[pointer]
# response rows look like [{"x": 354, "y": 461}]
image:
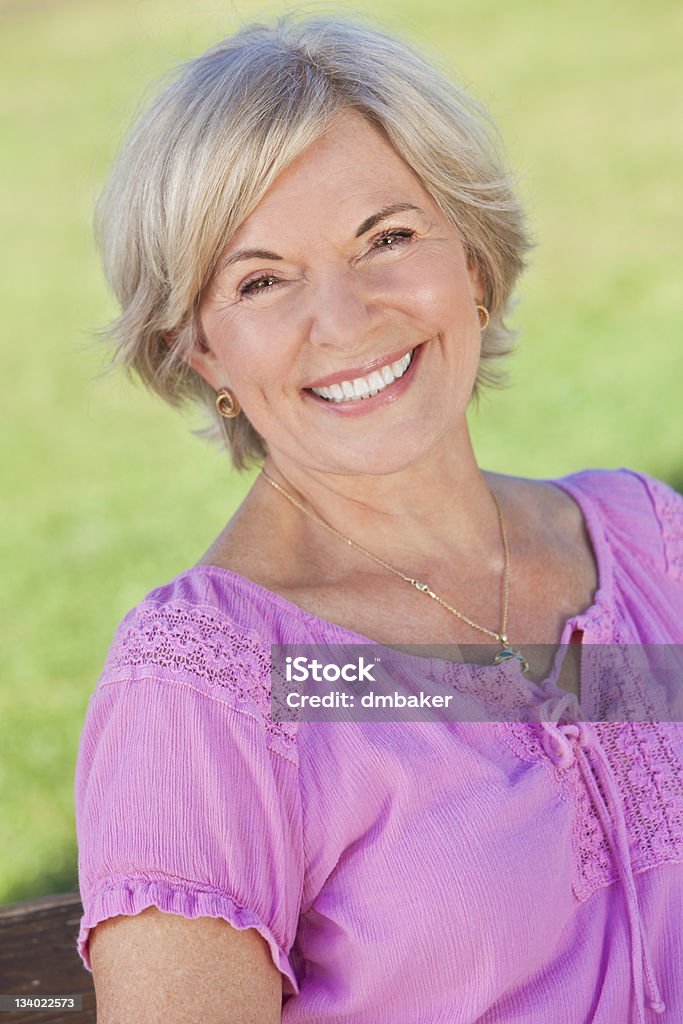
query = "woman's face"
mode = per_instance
[{"x": 344, "y": 272}]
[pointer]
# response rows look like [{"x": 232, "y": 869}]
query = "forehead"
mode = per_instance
[{"x": 345, "y": 175}]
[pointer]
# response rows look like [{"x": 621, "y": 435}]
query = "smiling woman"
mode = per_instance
[
  {"x": 184, "y": 207},
  {"x": 312, "y": 234}
]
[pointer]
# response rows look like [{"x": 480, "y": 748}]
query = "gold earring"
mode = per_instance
[
  {"x": 484, "y": 317},
  {"x": 226, "y": 404}
]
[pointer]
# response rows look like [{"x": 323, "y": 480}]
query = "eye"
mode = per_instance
[
  {"x": 257, "y": 284},
  {"x": 394, "y": 238}
]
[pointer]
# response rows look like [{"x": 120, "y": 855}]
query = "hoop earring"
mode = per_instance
[
  {"x": 226, "y": 404},
  {"x": 484, "y": 317}
]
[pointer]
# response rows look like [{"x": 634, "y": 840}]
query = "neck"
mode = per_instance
[{"x": 430, "y": 513}]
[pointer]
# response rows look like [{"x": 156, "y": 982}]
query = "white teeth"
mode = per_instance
[
  {"x": 401, "y": 365},
  {"x": 366, "y": 387}
]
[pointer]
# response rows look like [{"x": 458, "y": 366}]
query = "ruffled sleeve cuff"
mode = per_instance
[{"x": 131, "y": 896}]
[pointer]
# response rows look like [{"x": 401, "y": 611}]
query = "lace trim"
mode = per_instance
[
  {"x": 649, "y": 775},
  {"x": 624, "y": 681},
  {"x": 496, "y": 692},
  {"x": 600, "y": 624},
  {"x": 669, "y": 510},
  {"x": 199, "y": 646}
]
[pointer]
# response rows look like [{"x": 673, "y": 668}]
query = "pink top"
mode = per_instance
[{"x": 457, "y": 872}]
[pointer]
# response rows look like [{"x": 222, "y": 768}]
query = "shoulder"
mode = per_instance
[
  {"x": 633, "y": 524},
  {"x": 199, "y": 618},
  {"x": 643, "y": 516},
  {"x": 207, "y": 632},
  {"x": 191, "y": 626}
]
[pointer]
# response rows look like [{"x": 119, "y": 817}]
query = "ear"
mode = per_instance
[{"x": 201, "y": 358}]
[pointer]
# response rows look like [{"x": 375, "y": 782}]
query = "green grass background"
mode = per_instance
[{"x": 106, "y": 494}]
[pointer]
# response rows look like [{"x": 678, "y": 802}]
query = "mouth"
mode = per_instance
[{"x": 384, "y": 381}]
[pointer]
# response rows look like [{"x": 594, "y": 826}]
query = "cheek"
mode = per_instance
[
  {"x": 250, "y": 370},
  {"x": 258, "y": 369},
  {"x": 437, "y": 285},
  {"x": 446, "y": 309},
  {"x": 244, "y": 352}
]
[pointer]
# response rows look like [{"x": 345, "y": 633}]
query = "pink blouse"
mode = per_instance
[{"x": 421, "y": 872}]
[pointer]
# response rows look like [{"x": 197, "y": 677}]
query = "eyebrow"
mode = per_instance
[
  {"x": 367, "y": 225},
  {"x": 386, "y": 211}
]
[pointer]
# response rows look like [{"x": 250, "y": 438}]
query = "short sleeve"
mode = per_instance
[{"x": 187, "y": 793}]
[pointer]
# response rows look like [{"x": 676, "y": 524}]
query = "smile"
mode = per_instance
[{"x": 361, "y": 388}]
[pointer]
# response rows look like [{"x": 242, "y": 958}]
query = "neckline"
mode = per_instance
[{"x": 583, "y": 620}]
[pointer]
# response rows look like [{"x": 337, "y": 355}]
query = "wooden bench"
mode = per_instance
[{"x": 38, "y": 957}]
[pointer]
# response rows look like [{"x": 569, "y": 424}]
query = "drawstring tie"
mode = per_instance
[{"x": 561, "y": 743}]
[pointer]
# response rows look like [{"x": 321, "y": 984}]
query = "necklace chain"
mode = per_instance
[{"x": 423, "y": 587}]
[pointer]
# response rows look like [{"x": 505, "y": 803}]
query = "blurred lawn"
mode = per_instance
[{"x": 106, "y": 494}]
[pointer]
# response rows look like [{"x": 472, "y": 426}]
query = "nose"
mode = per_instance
[{"x": 342, "y": 313}]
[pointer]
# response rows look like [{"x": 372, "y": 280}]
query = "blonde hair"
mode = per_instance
[{"x": 206, "y": 150}]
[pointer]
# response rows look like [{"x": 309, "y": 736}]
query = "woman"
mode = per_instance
[{"x": 311, "y": 232}]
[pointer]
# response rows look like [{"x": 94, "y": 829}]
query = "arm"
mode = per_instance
[
  {"x": 154, "y": 966},
  {"x": 189, "y": 828}
]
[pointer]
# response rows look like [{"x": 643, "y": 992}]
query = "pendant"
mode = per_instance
[{"x": 507, "y": 653}]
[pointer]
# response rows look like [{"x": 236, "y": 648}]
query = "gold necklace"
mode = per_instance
[{"x": 507, "y": 652}]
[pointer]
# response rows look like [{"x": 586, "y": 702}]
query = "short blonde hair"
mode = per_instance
[{"x": 204, "y": 153}]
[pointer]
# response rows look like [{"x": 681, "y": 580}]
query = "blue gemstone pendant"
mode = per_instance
[{"x": 507, "y": 653}]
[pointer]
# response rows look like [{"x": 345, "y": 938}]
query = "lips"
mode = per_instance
[
  {"x": 359, "y": 371},
  {"x": 359, "y": 406},
  {"x": 365, "y": 387}
]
